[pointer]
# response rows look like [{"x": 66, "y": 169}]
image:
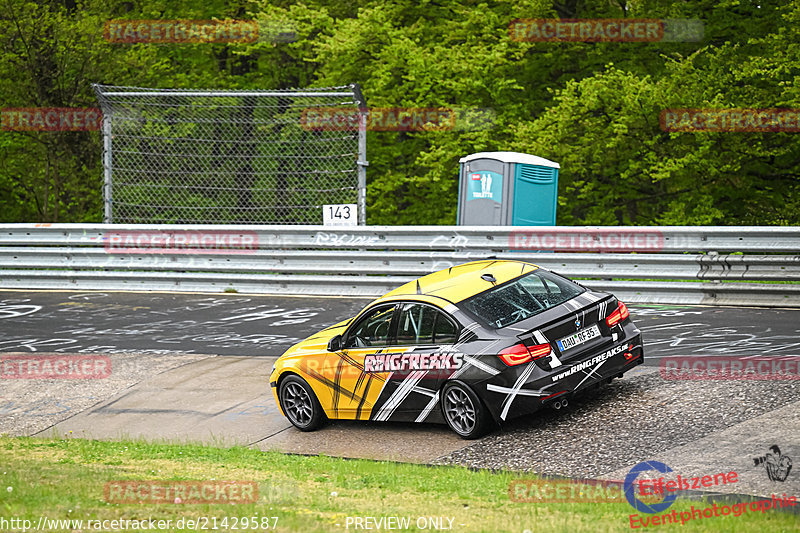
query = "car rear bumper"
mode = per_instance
[{"x": 522, "y": 390}]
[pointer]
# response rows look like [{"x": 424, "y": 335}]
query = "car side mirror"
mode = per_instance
[{"x": 335, "y": 344}]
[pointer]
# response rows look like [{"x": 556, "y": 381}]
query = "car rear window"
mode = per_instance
[{"x": 522, "y": 298}]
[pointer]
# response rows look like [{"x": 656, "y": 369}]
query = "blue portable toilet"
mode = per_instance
[{"x": 507, "y": 189}]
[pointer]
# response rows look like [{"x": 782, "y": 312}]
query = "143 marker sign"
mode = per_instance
[{"x": 339, "y": 215}]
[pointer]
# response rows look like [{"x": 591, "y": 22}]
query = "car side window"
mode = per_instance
[
  {"x": 416, "y": 324},
  {"x": 372, "y": 330},
  {"x": 422, "y": 324}
]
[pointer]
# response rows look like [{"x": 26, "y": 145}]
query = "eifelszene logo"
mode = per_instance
[{"x": 629, "y": 488}]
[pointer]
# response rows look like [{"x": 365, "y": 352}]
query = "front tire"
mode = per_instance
[
  {"x": 300, "y": 404},
  {"x": 464, "y": 411}
]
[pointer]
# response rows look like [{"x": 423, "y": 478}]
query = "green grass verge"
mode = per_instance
[{"x": 65, "y": 479}]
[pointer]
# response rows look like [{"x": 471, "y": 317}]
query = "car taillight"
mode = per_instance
[
  {"x": 519, "y": 353},
  {"x": 540, "y": 350},
  {"x": 620, "y": 314}
]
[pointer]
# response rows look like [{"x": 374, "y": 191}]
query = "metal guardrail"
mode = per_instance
[{"x": 711, "y": 265}]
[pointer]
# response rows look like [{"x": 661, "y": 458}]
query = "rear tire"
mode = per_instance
[
  {"x": 300, "y": 404},
  {"x": 464, "y": 411}
]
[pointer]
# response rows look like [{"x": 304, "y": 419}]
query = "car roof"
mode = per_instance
[{"x": 460, "y": 282}]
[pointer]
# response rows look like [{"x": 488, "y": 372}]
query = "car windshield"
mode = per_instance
[{"x": 522, "y": 298}]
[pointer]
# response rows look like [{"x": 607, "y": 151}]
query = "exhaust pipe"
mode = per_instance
[{"x": 558, "y": 404}]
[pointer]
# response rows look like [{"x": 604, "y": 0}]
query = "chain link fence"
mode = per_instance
[{"x": 239, "y": 157}]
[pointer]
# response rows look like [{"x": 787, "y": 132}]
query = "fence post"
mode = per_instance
[
  {"x": 362, "y": 162},
  {"x": 107, "y": 197}
]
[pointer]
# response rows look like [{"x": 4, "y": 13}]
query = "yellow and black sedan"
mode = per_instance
[{"x": 470, "y": 346}]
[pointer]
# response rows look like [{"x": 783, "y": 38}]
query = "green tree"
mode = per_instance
[
  {"x": 620, "y": 167},
  {"x": 593, "y": 107},
  {"x": 50, "y": 53}
]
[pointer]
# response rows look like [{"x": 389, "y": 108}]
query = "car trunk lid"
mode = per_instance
[{"x": 572, "y": 328}]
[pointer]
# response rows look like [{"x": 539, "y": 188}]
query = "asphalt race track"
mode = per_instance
[
  {"x": 264, "y": 326},
  {"x": 98, "y": 322},
  {"x": 193, "y": 367}
]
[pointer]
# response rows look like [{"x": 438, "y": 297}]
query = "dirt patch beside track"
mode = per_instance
[{"x": 31, "y": 405}]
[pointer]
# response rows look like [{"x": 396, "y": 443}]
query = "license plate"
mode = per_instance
[{"x": 578, "y": 338}]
